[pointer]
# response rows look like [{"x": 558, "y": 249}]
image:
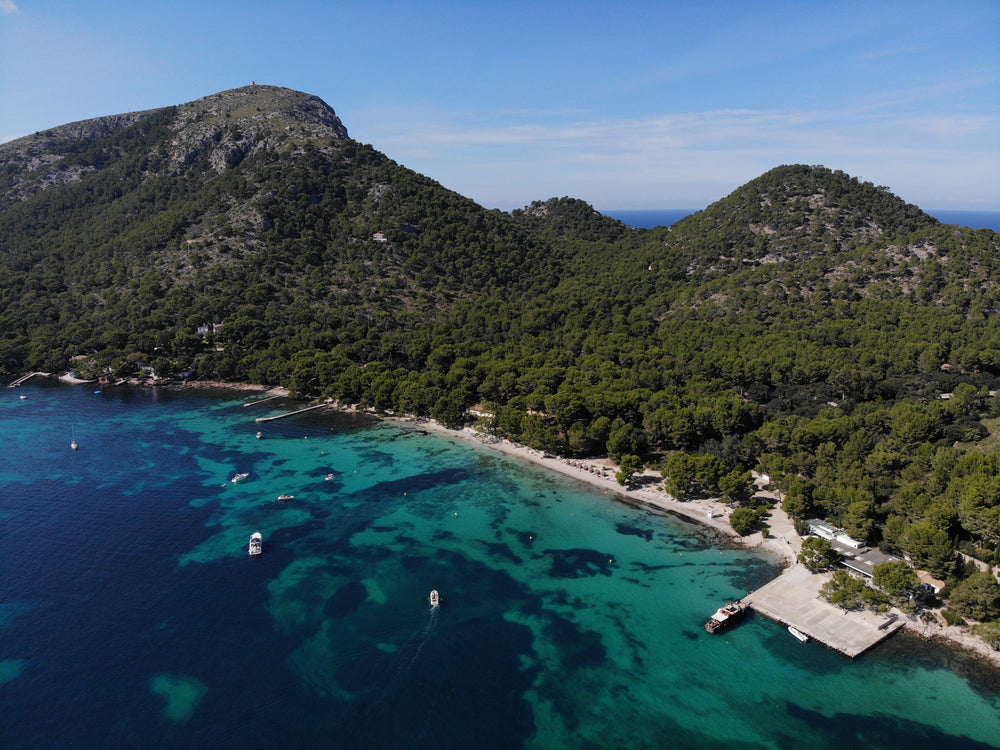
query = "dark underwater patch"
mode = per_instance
[
  {"x": 627, "y": 530},
  {"x": 501, "y": 551},
  {"x": 860, "y": 730},
  {"x": 346, "y": 599},
  {"x": 578, "y": 647},
  {"x": 578, "y": 563},
  {"x": 417, "y": 483}
]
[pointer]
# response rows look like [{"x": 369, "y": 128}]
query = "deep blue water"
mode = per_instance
[
  {"x": 647, "y": 219},
  {"x": 132, "y": 616},
  {"x": 974, "y": 219}
]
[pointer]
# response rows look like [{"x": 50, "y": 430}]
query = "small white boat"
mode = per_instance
[
  {"x": 260, "y": 435},
  {"x": 329, "y": 477},
  {"x": 24, "y": 398},
  {"x": 256, "y": 543},
  {"x": 798, "y": 634},
  {"x": 237, "y": 478},
  {"x": 435, "y": 598},
  {"x": 285, "y": 497}
]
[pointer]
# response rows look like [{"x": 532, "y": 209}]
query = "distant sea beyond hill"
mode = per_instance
[
  {"x": 974, "y": 219},
  {"x": 652, "y": 217},
  {"x": 665, "y": 217}
]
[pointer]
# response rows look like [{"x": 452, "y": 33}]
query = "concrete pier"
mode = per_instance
[
  {"x": 793, "y": 598},
  {"x": 263, "y": 400}
]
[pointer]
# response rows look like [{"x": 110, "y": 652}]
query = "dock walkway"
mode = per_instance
[
  {"x": 290, "y": 413},
  {"x": 263, "y": 400},
  {"x": 24, "y": 378},
  {"x": 793, "y": 598}
]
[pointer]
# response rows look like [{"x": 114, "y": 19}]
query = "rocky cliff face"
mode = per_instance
[
  {"x": 231, "y": 125},
  {"x": 38, "y": 162},
  {"x": 223, "y": 128}
]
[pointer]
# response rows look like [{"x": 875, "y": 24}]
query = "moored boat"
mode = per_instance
[
  {"x": 237, "y": 478},
  {"x": 260, "y": 435},
  {"x": 283, "y": 497},
  {"x": 726, "y": 616},
  {"x": 256, "y": 543},
  {"x": 798, "y": 633},
  {"x": 435, "y": 598}
]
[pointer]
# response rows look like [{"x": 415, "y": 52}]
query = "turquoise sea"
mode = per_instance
[{"x": 131, "y": 615}]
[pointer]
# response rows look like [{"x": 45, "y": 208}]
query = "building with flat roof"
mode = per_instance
[
  {"x": 864, "y": 561},
  {"x": 831, "y": 532},
  {"x": 855, "y": 556}
]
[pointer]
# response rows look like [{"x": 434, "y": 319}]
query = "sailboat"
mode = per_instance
[{"x": 73, "y": 444}]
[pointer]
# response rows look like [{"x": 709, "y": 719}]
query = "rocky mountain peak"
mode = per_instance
[{"x": 233, "y": 124}]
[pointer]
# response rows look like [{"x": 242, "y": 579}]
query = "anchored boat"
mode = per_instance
[
  {"x": 256, "y": 543},
  {"x": 798, "y": 634},
  {"x": 726, "y": 617}
]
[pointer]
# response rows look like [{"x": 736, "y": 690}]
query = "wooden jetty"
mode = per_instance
[
  {"x": 24, "y": 378},
  {"x": 793, "y": 598},
  {"x": 290, "y": 413}
]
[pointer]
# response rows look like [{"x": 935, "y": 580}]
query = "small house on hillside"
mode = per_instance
[{"x": 929, "y": 583}]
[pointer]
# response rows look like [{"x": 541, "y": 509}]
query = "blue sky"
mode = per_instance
[{"x": 624, "y": 104}]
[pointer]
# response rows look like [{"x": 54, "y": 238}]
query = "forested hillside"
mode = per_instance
[{"x": 808, "y": 325}]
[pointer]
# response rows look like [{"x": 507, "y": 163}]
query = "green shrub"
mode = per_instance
[{"x": 952, "y": 617}]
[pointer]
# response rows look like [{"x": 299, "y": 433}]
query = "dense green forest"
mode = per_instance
[{"x": 809, "y": 325}]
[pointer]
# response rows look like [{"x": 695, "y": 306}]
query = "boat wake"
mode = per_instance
[
  {"x": 406, "y": 691},
  {"x": 396, "y": 686},
  {"x": 422, "y": 637}
]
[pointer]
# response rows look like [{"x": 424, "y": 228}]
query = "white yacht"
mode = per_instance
[
  {"x": 256, "y": 543},
  {"x": 237, "y": 478},
  {"x": 435, "y": 598}
]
